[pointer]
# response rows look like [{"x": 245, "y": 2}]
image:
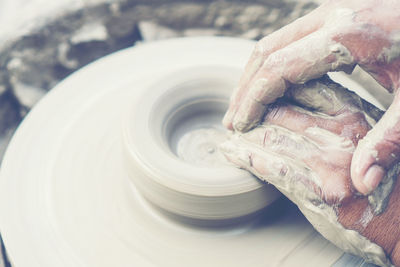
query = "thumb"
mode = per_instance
[{"x": 377, "y": 151}]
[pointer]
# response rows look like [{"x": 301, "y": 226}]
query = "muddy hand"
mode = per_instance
[
  {"x": 304, "y": 146},
  {"x": 336, "y": 36}
]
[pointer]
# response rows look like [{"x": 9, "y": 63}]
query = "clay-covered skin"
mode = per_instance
[
  {"x": 336, "y": 36},
  {"x": 304, "y": 146}
]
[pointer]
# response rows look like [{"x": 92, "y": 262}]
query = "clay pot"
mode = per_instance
[{"x": 172, "y": 136}]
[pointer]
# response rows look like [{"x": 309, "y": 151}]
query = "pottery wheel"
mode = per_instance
[{"x": 66, "y": 199}]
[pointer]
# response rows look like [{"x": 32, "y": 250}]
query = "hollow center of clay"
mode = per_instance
[{"x": 195, "y": 132}]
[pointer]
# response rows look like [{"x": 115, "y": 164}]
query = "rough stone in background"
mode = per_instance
[
  {"x": 151, "y": 31},
  {"x": 252, "y": 34},
  {"x": 9, "y": 114},
  {"x": 90, "y": 32},
  {"x": 43, "y": 57},
  {"x": 27, "y": 95},
  {"x": 201, "y": 32}
]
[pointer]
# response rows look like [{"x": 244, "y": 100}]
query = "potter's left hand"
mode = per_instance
[
  {"x": 304, "y": 147},
  {"x": 336, "y": 36}
]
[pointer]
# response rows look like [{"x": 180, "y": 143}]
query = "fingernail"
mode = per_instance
[
  {"x": 248, "y": 116},
  {"x": 227, "y": 120},
  {"x": 373, "y": 177},
  {"x": 244, "y": 126},
  {"x": 241, "y": 126}
]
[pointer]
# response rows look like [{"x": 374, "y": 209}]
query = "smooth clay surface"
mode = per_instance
[{"x": 72, "y": 201}]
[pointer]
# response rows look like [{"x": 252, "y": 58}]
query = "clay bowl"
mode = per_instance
[{"x": 172, "y": 136}]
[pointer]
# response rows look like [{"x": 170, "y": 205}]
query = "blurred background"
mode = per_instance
[{"x": 43, "y": 41}]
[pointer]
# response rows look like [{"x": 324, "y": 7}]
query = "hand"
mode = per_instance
[
  {"x": 304, "y": 147},
  {"x": 336, "y": 36}
]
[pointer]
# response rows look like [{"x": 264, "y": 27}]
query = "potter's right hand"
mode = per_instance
[{"x": 336, "y": 36}]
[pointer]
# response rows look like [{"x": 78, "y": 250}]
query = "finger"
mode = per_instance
[
  {"x": 303, "y": 60},
  {"x": 304, "y": 146},
  {"x": 326, "y": 96},
  {"x": 269, "y": 44},
  {"x": 277, "y": 169},
  {"x": 304, "y": 136},
  {"x": 281, "y": 38},
  {"x": 348, "y": 126},
  {"x": 377, "y": 151},
  {"x": 330, "y": 98},
  {"x": 322, "y": 95},
  {"x": 281, "y": 141},
  {"x": 299, "y": 120},
  {"x": 256, "y": 150}
]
